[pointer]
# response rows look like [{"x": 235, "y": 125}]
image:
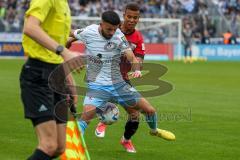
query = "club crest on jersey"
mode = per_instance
[
  {"x": 110, "y": 46},
  {"x": 80, "y": 30}
]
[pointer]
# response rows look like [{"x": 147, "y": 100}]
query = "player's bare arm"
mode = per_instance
[
  {"x": 140, "y": 61},
  {"x": 70, "y": 41},
  {"x": 135, "y": 64}
]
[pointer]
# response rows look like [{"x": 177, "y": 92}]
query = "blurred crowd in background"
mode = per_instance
[
  {"x": 201, "y": 18},
  {"x": 12, "y": 15}
]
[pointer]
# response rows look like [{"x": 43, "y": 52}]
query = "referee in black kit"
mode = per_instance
[{"x": 45, "y": 33}]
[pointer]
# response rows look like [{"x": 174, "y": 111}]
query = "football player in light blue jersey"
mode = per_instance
[
  {"x": 103, "y": 53},
  {"x": 105, "y": 44}
]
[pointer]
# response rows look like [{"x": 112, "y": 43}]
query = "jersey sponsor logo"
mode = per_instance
[
  {"x": 99, "y": 55},
  {"x": 109, "y": 46},
  {"x": 107, "y": 61},
  {"x": 80, "y": 30},
  {"x": 95, "y": 60}
]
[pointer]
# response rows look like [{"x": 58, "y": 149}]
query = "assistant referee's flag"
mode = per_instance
[{"x": 75, "y": 144}]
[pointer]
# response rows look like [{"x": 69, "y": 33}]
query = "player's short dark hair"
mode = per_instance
[
  {"x": 111, "y": 17},
  {"x": 132, "y": 7}
]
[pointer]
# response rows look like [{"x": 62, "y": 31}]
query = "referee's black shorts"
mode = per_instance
[{"x": 40, "y": 102}]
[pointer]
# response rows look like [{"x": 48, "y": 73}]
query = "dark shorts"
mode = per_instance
[{"x": 41, "y": 104}]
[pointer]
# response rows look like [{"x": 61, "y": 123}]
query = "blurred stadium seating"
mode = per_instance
[
  {"x": 206, "y": 18},
  {"x": 216, "y": 16}
]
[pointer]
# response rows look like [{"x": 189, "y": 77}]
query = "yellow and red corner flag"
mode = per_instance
[{"x": 75, "y": 144}]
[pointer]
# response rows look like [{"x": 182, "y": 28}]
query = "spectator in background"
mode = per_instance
[
  {"x": 94, "y": 8},
  {"x": 11, "y": 11},
  {"x": 211, "y": 29},
  {"x": 222, "y": 6},
  {"x": 2, "y": 9},
  {"x": 25, "y": 5},
  {"x": 173, "y": 8},
  {"x": 188, "y": 6},
  {"x": 229, "y": 38},
  {"x": 233, "y": 40},
  {"x": 2, "y": 14},
  {"x": 205, "y": 38},
  {"x": 187, "y": 42},
  {"x": 203, "y": 13},
  {"x": 226, "y": 37},
  {"x": 162, "y": 7}
]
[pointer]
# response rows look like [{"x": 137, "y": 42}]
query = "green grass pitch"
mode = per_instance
[{"x": 203, "y": 111}]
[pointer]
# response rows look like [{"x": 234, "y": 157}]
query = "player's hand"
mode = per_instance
[
  {"x": 136, "y": 74},
  {"x": 70, "y": 41}
]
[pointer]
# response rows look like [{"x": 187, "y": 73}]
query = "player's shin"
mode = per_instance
[
  {"x": 130, "y": 128},
  {"x": 88, "y": 114}
]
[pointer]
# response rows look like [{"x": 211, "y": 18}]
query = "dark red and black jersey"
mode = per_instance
[{"x": 135, "y": 40}]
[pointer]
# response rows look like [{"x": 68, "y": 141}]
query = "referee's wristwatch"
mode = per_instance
[{"x": 59, "y": 49}]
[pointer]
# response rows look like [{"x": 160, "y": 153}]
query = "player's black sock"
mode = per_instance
[
  {"x": 130, "y": 129},
  {"x": 39, "y": 155},
  {"x": 54, "y": 157}
]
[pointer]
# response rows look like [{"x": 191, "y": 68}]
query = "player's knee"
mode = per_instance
[
  {"x": 150, "y": 111},
  {"x": 133, "y": 115}
]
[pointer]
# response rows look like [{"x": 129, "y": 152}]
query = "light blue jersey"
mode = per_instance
[
  {"x": 103, "y": 55},
  {"x": 105, "y": 82}
]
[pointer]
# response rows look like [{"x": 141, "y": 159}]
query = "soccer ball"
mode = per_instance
[{"x": 109, "y": 114}]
